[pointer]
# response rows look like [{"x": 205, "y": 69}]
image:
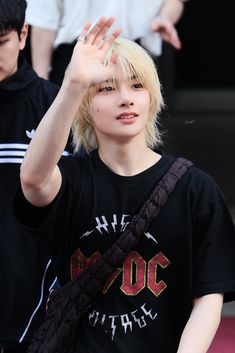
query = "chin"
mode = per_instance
[{"x": 128, "y": 137}]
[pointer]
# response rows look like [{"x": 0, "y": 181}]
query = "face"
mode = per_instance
[
  {"x": 10, "y": 46},
  {"x": 120, "y": 110}
]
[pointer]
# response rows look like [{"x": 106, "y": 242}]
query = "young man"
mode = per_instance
[
  {"x": 26, "y": 270},
  {"x": 168, "y": 295}
]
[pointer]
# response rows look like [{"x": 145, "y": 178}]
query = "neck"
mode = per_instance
[{"x": 128, "y": 159}]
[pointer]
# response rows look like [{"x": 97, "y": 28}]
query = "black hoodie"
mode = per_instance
[{"x": 26, "y": 272}]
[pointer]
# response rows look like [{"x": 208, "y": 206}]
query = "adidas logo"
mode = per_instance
[{"x": 30, "y": 134}]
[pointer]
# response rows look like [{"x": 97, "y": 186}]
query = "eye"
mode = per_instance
[
  {"x": 137, "y": 85},
  {"x": 2, "y": 42},
  {"x": 106, "y": 89}
]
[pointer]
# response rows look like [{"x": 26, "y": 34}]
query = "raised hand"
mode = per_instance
[{"x": 87, "y": 62}]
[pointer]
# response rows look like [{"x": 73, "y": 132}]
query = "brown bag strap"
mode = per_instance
[
  {"x": 68, "y": 303},
  {"x": 139, "y": 224}
]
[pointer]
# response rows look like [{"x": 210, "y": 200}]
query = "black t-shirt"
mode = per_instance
[{"x": 187, "y": 252}]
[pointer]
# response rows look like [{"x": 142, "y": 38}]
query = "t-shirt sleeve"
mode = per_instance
[
  {"x": 50, "y": 223},
  {"x": 214, "y": 247}
]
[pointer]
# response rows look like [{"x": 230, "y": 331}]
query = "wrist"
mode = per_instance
[
  {"x": 74, "y": 87},
  {"x": 162, "y": 17}
]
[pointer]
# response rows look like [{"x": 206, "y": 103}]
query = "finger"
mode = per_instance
[
  {"x": 85, "y": 30},
  {"x": 106, "y": 43},
  {"x": 176, "y": 44},
  {"x": 97, "y": 34},
  {"x": 174, "y": 39},
  {"x": 114, "y": 57},
  {"x": 95, "y": 29},
  {"x": 103, "y": 31}
]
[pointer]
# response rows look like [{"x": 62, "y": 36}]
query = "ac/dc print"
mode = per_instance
[{"x": 135, "y": 275}]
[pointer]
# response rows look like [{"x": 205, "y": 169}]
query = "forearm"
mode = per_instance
[
  {"x": 39, "y": 166},
  {"x": 202, "y": 324},
  {"x": 40, "y": 176},
  {"x": 172, "y": 10},
  {"x": 41, "y": 50}
]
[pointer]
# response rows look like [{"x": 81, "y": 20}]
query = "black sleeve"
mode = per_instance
[
  {"x": 214, "y": 249},
  {"x": 27, "y": 214},
  {"x": 50, "y": 224}
]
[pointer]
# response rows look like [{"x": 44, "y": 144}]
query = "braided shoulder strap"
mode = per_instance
[{"x": 68, "y": 303}]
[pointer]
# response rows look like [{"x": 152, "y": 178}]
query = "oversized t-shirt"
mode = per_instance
[{"x": 188, "y": 251}]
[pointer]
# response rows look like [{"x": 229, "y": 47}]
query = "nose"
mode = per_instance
[{"x": 125, "y": 96}]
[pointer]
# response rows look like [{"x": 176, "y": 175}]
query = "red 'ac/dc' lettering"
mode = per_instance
[
  {"x": 136, "y": 272},
  {"x": 133, "y": 278},
  {"x": 80, "y": 262}
]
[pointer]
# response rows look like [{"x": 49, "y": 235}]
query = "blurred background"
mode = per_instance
[
  {"x": 199, "y": 123},
  {"x": 199, "y": 84}
]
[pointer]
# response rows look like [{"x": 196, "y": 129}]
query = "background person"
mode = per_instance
[
  {"x": 26, "y": 270},
  {"x": 57, "y": 23}
]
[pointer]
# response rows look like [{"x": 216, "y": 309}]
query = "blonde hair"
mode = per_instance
[{"x": 134, "y": 61}]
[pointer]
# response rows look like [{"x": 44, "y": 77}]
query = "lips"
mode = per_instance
[{"x": 129, "y": 115}]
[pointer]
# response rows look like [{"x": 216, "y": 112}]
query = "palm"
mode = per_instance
[{"x": 87, "y": 63}]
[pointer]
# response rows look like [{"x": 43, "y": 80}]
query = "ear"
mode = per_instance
[{"x": 23, "y": 36}]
